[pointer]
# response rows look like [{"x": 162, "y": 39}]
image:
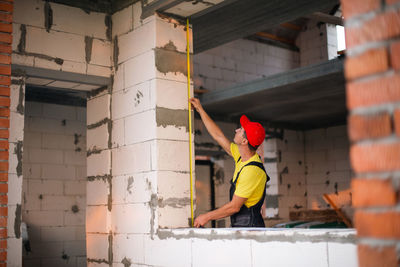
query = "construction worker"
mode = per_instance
[{"x": 249, "y": 180}]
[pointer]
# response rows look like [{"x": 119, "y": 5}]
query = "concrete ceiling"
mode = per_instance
[{"x": 304, "y": 98}]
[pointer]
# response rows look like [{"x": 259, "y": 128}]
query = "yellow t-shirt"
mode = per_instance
[{"x": 251, "y": 181}]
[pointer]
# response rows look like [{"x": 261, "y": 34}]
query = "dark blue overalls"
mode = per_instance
[{"x": 248, "y": 217}]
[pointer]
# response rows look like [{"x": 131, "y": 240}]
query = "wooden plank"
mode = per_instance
[{"x": 327, "y": 215}]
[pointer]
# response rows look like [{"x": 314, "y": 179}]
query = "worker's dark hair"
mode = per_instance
[{"x": 252, "y": 148}]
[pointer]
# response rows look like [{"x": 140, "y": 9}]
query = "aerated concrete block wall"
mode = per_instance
[
  {"x": 327, "y": 167},
  {"x": 58, "y": 37},
  {"x": 54, "y": 189},
  {"x": 15, "y": 174},
  {"x": 317, "y": 43},
  {"x": 240, "y": 61}
]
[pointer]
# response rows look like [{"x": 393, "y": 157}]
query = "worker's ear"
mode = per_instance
[{"x": 245, "y": 141}]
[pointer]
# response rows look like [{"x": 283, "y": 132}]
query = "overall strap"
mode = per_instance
[{"x": 251, "y": 163}]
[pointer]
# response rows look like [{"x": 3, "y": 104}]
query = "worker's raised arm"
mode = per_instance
[{"x": 211, "y": 126}]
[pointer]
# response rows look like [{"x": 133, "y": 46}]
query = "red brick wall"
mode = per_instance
[
  {"x": 6, "y": 8},
  {"x": 372, "y": 70}
]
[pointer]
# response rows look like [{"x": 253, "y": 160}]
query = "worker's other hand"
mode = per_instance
[
  {"x": 201, "y": 220},
  {"x": 195, "y": 103}
]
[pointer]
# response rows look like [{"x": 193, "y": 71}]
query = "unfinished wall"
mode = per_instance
[
  {"x": 317, "y": 42},
  {"x": 240, "y": 61},
  {"x": 54, "y": 189},
  {"x": 54, "y": 36},
  {"x": 327, "y": 167}
]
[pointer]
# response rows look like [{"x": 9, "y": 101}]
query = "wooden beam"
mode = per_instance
[
  {"x": 338, "y": 211},
  {"x": 291, "y": 26},
  {"x": 275, "y": 37}
]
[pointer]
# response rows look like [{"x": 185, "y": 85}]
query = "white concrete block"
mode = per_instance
[
  {"x": 174, "y": 217},
  {"x": 101, "y": 53},
  {"x": 301, "y": 254},
  {"x": 131, "y": 218},
  {"x": 97, "y": 246},
  {"x": 131, "y": 159},
  {"x": 45, "y": 187},
  {"x": 57, "y": 203},
  {"x": 11, "y": 220},
  {"x": 118, "y": 79},
  {"x": 99, "y": 164},
  {"x": 29, "y": 12},
  {"x": 17, "y": 122},
  {"x": 172, "y": 34},
  {"x": 129, "y": 246},
  {"x": 55, "y": 44},
  {"x": 173, "y": 184},
  {"x": 57, "y": 234},
  {"x": 98, "y": 109},
  {"x": 137, "y": 42},
  {"x": 137, "y": 12},
  {"x": 139, "y": 69},
  {"x": 59, "y": 111},
  {"x": 135, "y": 188},
  {"x": 58, "y": 141},
  {"x": 81, "y": 172},
  {"x": 14, "y": 189},
  {"x": 22, "y": 59},
  {"x": 131, "y": 101},
  {"x": 31, "y": 202},
  {"x": 98, "y": 70},
  {"x": 81, "y": 113},
  {"x": 97, "y": 192},
  {"x": 221, "y": 252},
  {"x": 45, "y": 156},
  {"x": 72, "y": 66},
  {"x": 170, "y": 252},
  {"x": 117, "y": 135},
  {"x": 36, "y": 124},
  {"x": 44, "y": 218},
  {"x": 75, "y": 127},
  {"x": 122, "y": 21},
  {"x": 75, "y": 219},
  {"x": 97, "y": 138},
  {"x": 33, "y": 108},
  {"x": 342, "y": 255},
  {"x": 32, "y": 140},
  {"x": 75, "y": 188},
  {"x": 14, "y": 252},
  {"x": 98, "y": 219},
  {"x": 58, "y": 172},
  {"x": 162, "y": 90},
  {"x": 75, "y": 248},
  {"x": 77, "y": 21},
  {"x": 171, "y": 156},
  {"x": 140, "y": 127}
]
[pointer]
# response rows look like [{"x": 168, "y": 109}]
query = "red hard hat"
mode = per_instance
[{"x": 254, "y": 131}]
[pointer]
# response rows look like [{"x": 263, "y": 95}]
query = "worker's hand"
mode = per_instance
[
  {"x": 201, "y": 220},
  {"x": 196, "y": 103}
]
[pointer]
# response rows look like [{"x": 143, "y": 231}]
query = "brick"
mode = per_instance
[
  {"x": 3, "y": 199},
  {"x": 3, "y": 233},
  {"x": 3, "y": 211},
  {"x": 6, "y": 27},
  {"x": 5, "y": 80},
  {"x": 375, "y": 157},
  {"x": 3, "y": 244},
  {"x": 395, "y": 55},
  {"x": 390, "y": 2},
  {"x": 3, "y": 166},
  {"x": 4, "y": 134},
  {"x": 377, "y": 256},
  {"x": 397, "y": 121},
  {"x": 373, "y": 126},
  {"x": 3, "y": 221},
  {"x": 4, "y": 48},
  {"x": 3, "y": 155},
  {"x": 373, "y": 192},
  {"x": 357, "y": 7},
  {"x": 375, "y": 92},
  {"x": 5, "y": 59},
  {"x": 381, "y": 27},
  {"x": 4, "y": 101},
  {"x": 4, "y": 112},
  {"x": 4, "y": 144},
  {"x": 6, "y": 7},
  {"x": 3, "y": 177},
  {"x": 5, "y": 70},
  {"x": 370, "y": 62},
  {"x": 6, "y": 38},
  {"x": 379, "y": 225},
  {"x": 5, "y": 17},
  {"x": 4, "y": 123}
]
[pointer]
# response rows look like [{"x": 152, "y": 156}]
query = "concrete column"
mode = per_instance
[{"x": 138, "y": 151}]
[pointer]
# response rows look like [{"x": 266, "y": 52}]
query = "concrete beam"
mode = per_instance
[
  {"x": 243, "y": 18},
  {"x": 61, "y": 75},
  {"x": 158, "y": 5}
]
